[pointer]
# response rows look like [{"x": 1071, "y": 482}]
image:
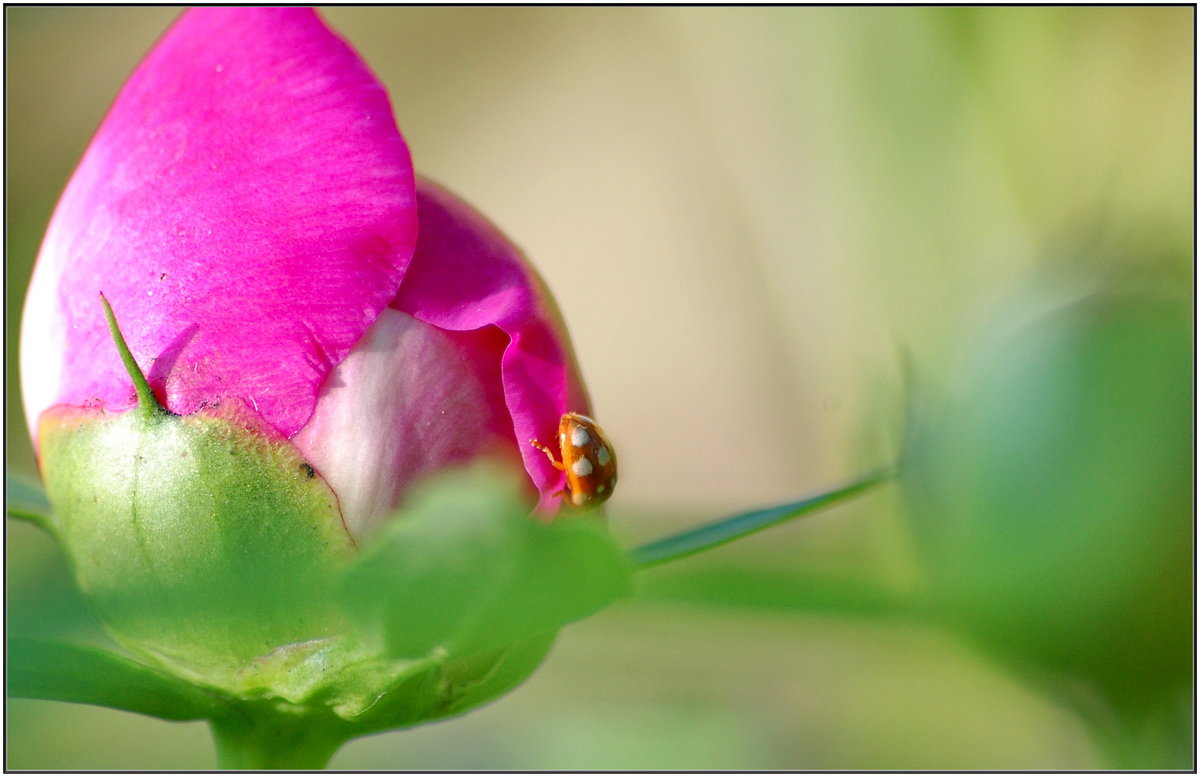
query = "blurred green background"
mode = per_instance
[{"x": 789, "y": 244}]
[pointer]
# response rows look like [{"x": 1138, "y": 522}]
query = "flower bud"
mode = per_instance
[
  {"x": 323, "y": 332},
  {"x": 1052, "y": 496},
  {"x": 242, "y": 264}
]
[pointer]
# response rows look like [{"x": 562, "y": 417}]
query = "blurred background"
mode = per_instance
[{"x": 790, "y": 244}]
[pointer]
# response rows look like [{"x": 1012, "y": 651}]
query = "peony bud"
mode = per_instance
[
  {"x": 249, "y": 208},
  {"x": 322, "y": 331}
]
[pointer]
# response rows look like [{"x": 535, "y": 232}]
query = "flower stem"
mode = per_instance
[
  {"x": 148, "y": 404},
  {"x": 273, "y": 742}
]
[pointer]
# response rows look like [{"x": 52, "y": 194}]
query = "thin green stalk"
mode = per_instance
[
  {"x": 43, "y": 522},
  {"x": 717, "y": 533}
]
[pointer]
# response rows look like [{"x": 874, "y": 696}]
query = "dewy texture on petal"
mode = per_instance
[
  {"x": 250, "y": 206},
  {"x": 466, "y": 275}
]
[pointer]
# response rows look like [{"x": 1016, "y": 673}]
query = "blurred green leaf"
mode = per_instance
[
  {"x": 25, "y": 500},
  {"x": 41, "y": 596},
  {"x": 466, "y": 570},
  {"x": 1053, "y": 499},
  {"x": 60, "y": 671}
]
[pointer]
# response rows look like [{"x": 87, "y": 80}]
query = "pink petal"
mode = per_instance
[
  {"x": 247, "y": 206},
  {"x": 466, "y": 275}
]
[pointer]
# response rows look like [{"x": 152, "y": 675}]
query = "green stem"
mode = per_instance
[
  {"x": 148, "y": 404},
  {"x": 273, "y": 742}
]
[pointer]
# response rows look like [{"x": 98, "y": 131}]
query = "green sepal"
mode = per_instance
[
  {"x": 465, "y": 570},
  {"x": 202, "y": 541},
  {"x": 378, "y": 694},
  {"x": 61, "y": 671}
]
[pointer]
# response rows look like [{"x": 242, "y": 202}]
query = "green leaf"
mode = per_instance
[
  {"x": 60, "y": 671},
  {"x": 25, "y": 500},
  {"x": 717, "y": 533},
  {"x": 466, "y": 570}
]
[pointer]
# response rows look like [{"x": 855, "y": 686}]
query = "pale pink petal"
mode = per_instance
[{"x": 409, "y": 400}]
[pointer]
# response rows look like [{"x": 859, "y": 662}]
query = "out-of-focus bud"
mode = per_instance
[{"x": 1052, "y": 496}]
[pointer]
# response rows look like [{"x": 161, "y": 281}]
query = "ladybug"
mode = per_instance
[{"x": 587, "y": 458}]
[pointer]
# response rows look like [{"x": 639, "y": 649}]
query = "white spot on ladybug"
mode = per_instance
[
  {"x": 578, "y": 497},
  {"x": 603, "y": 457},
  {"x": 582, "y": 467},
  {"x": 600, "y": 489},
  {"x": 579, "y": 437}
]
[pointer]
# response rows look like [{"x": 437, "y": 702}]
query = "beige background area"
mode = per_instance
[{"x": 748, "y": 217}]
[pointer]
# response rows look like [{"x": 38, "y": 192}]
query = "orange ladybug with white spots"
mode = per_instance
[{"x": 587, "y": 458}]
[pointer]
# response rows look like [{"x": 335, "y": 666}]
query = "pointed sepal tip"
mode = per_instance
[{"x": 148, "y": 404}]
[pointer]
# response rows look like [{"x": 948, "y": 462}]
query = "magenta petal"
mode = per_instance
[
  {"x": 248, "y": 207},
  {"x": 466, "y": 275}
]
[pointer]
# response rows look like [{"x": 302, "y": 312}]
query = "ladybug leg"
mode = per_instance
[{"x": 557, "y": 464}]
